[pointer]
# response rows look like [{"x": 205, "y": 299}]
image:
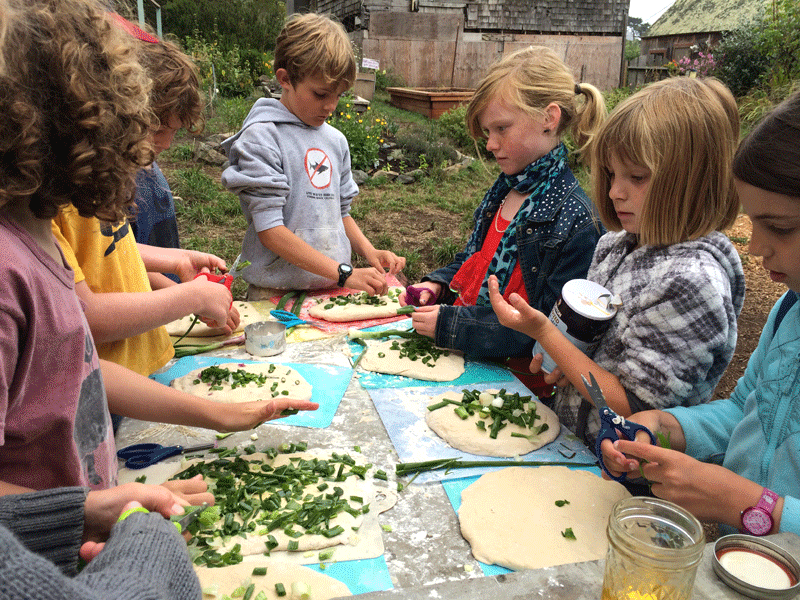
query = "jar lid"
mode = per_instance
[
  {"x": 590, "y": 299},
  {"x": 756, "y": 567}
]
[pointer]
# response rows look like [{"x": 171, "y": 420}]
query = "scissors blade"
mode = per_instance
[
  {"x": 199, "y": 447},
  {"x": 235, "y": 266},
  {"x": 190, "y": 517},
  {"x": 595, "y": 392}
]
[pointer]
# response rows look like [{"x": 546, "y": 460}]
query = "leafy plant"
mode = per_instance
[
  {"x": 741, "y": 62},
  {"x": 452, "y": 125},
  {"x": 387, "y": 78},
  {"x": 364, "y": 132},
  {"x": 230, "y": 72}
]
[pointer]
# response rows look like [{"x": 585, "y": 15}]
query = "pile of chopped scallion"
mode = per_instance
[
  {"x": 359, "y": 299},
  {"x": 251, "y": 496}
]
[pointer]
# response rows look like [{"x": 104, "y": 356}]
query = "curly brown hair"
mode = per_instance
[
  {"x": 176, "y": 86},
  {"x": 74, "y": 101}
]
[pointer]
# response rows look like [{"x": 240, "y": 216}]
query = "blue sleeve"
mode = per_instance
[
  {"x": 475, "y": 331},
  {"x": 790, "y": 517}
]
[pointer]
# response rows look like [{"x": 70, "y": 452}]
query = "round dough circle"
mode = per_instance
[
  {"x": 446, "y": 368},
  {"x": 509, "y": 517},
  {"x": 287, "y": 379},
  {"x": 323, "y": 587},
  {"x": 464, "y": 435},
  {"x": 357, "y": 312}
]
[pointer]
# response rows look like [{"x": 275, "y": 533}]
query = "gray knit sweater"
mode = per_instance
[{"x": 145, "y": 557}]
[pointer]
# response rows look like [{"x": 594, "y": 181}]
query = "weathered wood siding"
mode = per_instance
[
  {"x": 433, "y": 51},
  {"x": 451, "y": 43}
]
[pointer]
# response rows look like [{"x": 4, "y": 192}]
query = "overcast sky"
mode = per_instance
[{"x": 649, "y": 10}]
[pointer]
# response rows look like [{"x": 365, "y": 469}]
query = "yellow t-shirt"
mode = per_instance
[{"x": 107, "y": 257}]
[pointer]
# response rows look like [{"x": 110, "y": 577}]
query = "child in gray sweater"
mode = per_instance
[{"x": 291, "y": 171}]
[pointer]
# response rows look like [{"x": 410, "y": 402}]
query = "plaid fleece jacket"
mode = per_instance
[{"x": 675, "y": 333}]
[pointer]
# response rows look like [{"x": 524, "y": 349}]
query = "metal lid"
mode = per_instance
[
  {"x": 590, "y": 299},
  {"x": 762, "y": 550}
]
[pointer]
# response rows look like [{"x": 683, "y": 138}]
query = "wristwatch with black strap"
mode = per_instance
[
  {"x": 757, "y": 520},
  {"x": 345, "y": 271}
]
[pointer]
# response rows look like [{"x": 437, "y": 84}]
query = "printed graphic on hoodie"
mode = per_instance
[{"x": 318, "y": 168}]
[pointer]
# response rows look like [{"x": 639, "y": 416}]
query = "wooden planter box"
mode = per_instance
[{"x": 431, "y": 102}]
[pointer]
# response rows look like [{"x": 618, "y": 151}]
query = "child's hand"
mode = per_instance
[
  {"x": 248, "y": 415},
  {"x": 103, "y": 507},
  {"x": 194, "y": 490},
  {"x": 424, "y": 320},
  {"x": 370, "y": 280},
  {"x": 213, "y": 304},
  {"x": 386, "y": 260},
  {"x": 429, "y": 294},
  {"x": 555, "y": 376},
  {"x": 191, "y": 262},
  {"x": 517, "y": 315}
]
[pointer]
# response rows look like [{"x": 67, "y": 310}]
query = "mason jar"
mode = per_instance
[{"x": 654, "y": 548}]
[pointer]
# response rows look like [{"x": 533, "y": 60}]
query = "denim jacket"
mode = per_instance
[{"x": 555, "y": 245}]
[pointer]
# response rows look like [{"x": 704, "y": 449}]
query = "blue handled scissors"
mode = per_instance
[
  {"x": 611, "y": 424},
  {"x": 290, "y": 319},
  {"x": 139, "y": 456}
]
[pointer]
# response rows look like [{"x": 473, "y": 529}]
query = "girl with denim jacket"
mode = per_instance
[
  {"x": 534, "y": 228},
  {"x": 661, "y": 171}
]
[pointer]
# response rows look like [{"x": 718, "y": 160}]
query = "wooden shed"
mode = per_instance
[
  {"x": 687, "y": 28},
  {"x": 451, "y": 43}
]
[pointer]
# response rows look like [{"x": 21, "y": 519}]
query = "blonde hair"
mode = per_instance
[
  {"x": 74, "y": 101},
  {"x": 685, "y": 132},
  {"x": 530, "y": 80},
  {"x": 313, "y": 44}
]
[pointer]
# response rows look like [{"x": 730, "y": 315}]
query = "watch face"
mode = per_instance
[{"x": 756, "y": 521}]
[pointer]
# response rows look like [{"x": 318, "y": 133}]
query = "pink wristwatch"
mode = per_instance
[{"x": 757, "y": 520}]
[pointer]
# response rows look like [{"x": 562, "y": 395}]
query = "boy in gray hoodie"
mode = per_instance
[{"x": 291, "y": 171}]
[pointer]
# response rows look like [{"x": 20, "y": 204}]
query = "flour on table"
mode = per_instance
[
  {"x": 247, "y": 314},
  {"x": 510, "y": 517},
  {"x": 384, "y": 357},
  {"x": 464, "y": 434},
  {"x": 358, "y": 306},
  {"x": 261, "y": 381}
]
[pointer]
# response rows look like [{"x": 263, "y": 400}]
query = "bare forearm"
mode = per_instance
[
  {"x": 358, "y": 241},
  {"x": 9, "y": 488},
  {"x": 291, "y": 248},
  {"x": 119, "y": 315},
  {"x": 160, "y": 260},
  {"x": 133, "y": 395},
  {"x": 159, "y": 281}
]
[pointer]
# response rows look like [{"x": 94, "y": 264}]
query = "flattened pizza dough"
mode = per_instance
[
  {"x": 357, "y": 308},
  {"x": 382, "y": 359},
  {"x": 510, "y": 517},
  {"x": 464, "y": 435},
  {"x": 247, "y": 313},
  {"x": 224, "y": 580},
  {"x": 278, "y": 381}
]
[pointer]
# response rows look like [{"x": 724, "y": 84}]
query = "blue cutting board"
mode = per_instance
[
  {"x": 328, "y": 385},
  {"x": 403, "y": 414},
  {"x": 474, "y": 371},
  {"x": 453, "y": 489},
  {"x": 360, "y": 576}
]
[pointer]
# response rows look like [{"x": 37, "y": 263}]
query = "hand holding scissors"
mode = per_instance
[
  {"x": 139, "y": 456},
  {"x": 611, "y": 424}
]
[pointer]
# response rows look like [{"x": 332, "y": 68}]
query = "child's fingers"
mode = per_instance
[{"x": 616, "y": 462}]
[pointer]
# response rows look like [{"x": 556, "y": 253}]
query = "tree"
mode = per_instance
[
  {"x": 636, "y": 29},
  {"x": 249, "y": 24}
]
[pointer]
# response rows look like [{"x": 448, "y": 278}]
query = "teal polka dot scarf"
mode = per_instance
[{"x": 534, "y": 181}]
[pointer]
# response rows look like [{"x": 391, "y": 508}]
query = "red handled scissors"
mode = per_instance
[
  {"x": 611, "y": 424},
  {"x": 139, "y": 456}
]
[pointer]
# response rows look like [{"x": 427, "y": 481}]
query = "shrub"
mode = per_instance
[
  {"x": 387, "y": 78},
  {"x": 422, "y": 152},
  {"x": 230, "y": 73},
  {"x": 452, "y": 125},
  {"x": 364, "y": 132},
  {"x": 232, "y": 111},
  {"x": 741, "y": 62}
]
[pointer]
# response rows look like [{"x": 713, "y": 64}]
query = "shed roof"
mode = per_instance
[{"x": 700, "y": 16}]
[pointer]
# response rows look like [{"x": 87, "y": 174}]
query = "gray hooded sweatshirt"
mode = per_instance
[{"x": 288, "y": 173}]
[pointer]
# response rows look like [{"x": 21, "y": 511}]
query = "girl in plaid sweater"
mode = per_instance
[{"x": 662, "y": 183}]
